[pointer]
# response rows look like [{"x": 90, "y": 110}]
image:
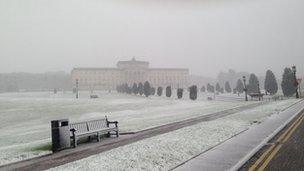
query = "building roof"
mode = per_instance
[
  {"x": 133, "y": 60},
  {"x": 84, "y": 68},
  {"x": 173, "y": 69}
]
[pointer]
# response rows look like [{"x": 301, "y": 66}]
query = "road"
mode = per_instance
[{"x": 284, "y": 152}]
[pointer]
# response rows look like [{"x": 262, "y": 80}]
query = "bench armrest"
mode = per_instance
[
  {"x": 113, "y": 122},
  {"x": 73, "y": 130}
]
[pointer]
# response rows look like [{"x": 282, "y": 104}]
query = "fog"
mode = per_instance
[{"x": 206, "y": 36}]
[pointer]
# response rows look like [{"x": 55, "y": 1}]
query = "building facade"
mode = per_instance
[{"x": 130, "y": 72}]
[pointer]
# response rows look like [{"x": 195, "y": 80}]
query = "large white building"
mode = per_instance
[{"x": 129, "y": 72}]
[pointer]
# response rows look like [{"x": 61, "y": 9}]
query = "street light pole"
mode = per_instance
[
  {"x": 77, "y": 95},
  {"x": 245, "y": 88},
  {"x": 259, "y": 91},
  {"x": 294, "y": 69}
]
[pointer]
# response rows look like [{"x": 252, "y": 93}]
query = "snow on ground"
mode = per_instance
[
  {"x": 25, "y": 117},
  {"x": 166, "y": 151}
]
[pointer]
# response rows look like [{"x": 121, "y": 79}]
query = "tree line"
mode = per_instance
[
  {"x": 288, "y": 84},
  {"x": 147, "y": 90}
]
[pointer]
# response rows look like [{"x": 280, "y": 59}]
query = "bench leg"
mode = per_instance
[
  {"x": 98, "y": 137},
  {"x": 75, "y": 142},
  {"x": 117, "y": 133}
]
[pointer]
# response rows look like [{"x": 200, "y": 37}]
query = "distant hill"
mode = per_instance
[{"x": 14, "y": 82}]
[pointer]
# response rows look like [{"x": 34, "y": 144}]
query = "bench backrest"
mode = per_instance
[
  {"x": 97, "y": 124},
  {"x": 81, "y": 127}
]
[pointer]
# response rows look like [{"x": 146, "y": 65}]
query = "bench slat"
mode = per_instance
[{"x": 94, "y": 127}]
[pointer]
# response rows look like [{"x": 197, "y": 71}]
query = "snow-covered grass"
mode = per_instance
[
  {"x": 166, "y": 151},
  {"x": 25, "y": 117}
]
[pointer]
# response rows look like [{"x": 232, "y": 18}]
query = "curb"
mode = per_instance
[{"x": 239, "y": 164}]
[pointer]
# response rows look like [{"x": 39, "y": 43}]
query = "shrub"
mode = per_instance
[
  {"x": 159, "y": 91},
  {"x": 135, "y": 88},
  {"x": 180, "y": 93},
  {"x": 141, "y": 88},
  {"x": 147, "y": 89},
  {"x": 168, "y": 91},
  {"x": 193, "y": 92},
  {"x": 152, "y": 91}
]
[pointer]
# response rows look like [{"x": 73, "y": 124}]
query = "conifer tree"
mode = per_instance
[
  {"x": 288, "y": 81},
  {"x": 209, "y": 87},
  {"x": 193, "y": 92},
  {"x": 152, "y": 91},
  {"x": 217, "y": 87},
  {"x": 159, "y": 91},
  {"x": 270, "y": 84},
  {"x": 168, "y": 91},
  {"x": 203, "y": 89},
  {"x": 180, "y": 93},
  {"x": 147, "y": 89},
  {"x": 253, "y": 84},
  {"x": 239, "y": 86},
  {"x": 141, "y": 88},
  {"x": 227, "y": 87},
  {"x": 212, "y": 89},
  {"x": 135, "y": 88}
]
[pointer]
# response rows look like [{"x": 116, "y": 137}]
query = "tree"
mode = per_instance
[
  {"x": 159, "y": 91},
  {"x": 270, "y": 84},
  {"x": 239, "y": 86},
  {"x": 118, "y": 89},
  {"x": 209, "y": 87},
  {"x": 227, "y": 87},
  {"x": 141, "y": 88},
  {"x": 180, "y": 93},
  {"x": 152, "y": 91},
  {"x": 252, "y": 86},
  {"x": 222, "y": 90},
  {"x": 128, "y": 90},
  {"x": 147, "y": 89},
  {"x": 288, "y": 81},
  {"x": 193, "y": 92},
  {"x": 217, "y": 87},
  {"x": 124, "y": 88},
  {"x": 168, "y": 91},
  {"x": 135, "y": 88},
  {"x": 203, "y": 89}
]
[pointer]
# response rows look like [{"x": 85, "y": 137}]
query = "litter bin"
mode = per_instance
[{"x": 60, "y": 135}]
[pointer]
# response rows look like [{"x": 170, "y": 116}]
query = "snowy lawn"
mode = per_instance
[
  {"x": 25, "y": 117},
  {"x": 166, "y": 151}
]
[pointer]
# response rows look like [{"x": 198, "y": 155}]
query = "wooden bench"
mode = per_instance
[
  {"x": 256, "y": 95},
  {"x": 92, "y": 128}
]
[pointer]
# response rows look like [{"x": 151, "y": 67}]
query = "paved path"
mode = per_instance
[
  {"x": 284, "y": 152},
  {"x": 85, "y": 150},
  {"x": 291, "y": 155},
  {"x": 234, "y": 152}
]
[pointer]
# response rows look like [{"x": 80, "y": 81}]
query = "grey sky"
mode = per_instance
[{"x": 205, "y": 36}]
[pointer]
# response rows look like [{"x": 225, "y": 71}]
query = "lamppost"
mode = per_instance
[
  {"x": 259, "y": 91},
  {"x": 245, "y": 88},
  {"x": 77, "y": 89},
  {"x": 294, "y": 70}
]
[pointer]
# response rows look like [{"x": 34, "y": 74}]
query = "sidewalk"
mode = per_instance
[{"x": 233, "y": 153}]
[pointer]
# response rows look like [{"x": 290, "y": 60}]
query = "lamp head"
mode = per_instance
[{"x": 294, "y": 69}]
